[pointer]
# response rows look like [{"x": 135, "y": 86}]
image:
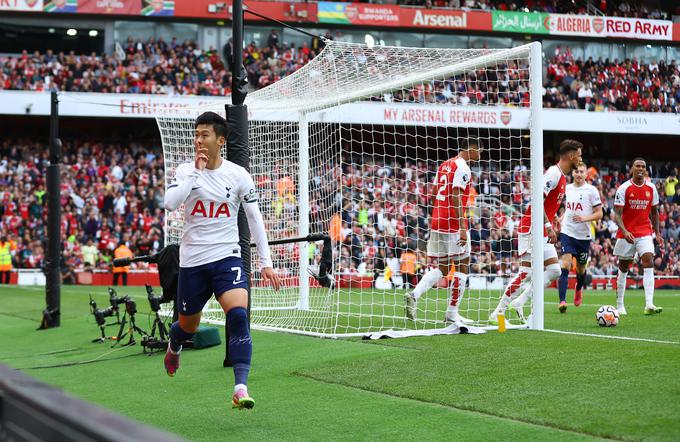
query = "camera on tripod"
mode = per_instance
[
  {"x": 100, "y": 315},
  {"x": 155, "y": 301}
]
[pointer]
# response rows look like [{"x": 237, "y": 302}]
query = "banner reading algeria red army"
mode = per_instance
[{"x": 612, "y": 27}]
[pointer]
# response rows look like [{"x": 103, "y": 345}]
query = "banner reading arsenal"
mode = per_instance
[
  {"x": 446, "y": 19},
  {"x": 118, "y": 7}
]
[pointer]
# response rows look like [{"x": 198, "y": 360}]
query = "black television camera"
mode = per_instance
[{"x": 100, "y": 315}]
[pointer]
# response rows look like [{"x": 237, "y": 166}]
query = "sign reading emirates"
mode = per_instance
[{"x": 612, "y": 27}]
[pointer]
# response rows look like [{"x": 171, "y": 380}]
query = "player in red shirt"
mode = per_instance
[
  {"x": 635, "y": 201},
  {"x": 554, "y": 187},
  {"x": 449, "y": 241}
]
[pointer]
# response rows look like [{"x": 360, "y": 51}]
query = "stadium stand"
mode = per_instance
[
  {"x": 114, "y": 193},
  {"x": 157, "y": 67}
]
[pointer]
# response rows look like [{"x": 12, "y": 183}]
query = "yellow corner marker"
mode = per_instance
[{"x": 501, "y": 323}]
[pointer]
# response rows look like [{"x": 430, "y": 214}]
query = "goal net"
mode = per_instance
[{"x": 349, "y": 146}]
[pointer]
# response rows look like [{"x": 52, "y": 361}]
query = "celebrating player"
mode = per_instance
[
  {"x": 583, "y": 205},
  {"x": 212, "y": 189},
  {"x": 449, "y": 240},
  {"x": 635, "y": 200},
  {"x": 554, "y": 185}
]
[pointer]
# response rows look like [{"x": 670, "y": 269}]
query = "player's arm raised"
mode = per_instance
[
  {"x": 177, "y": 192},
  {"x": 257, "y": 230}
]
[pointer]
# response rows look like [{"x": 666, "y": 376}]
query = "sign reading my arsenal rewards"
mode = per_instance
[
  {"x": 118, "y": 7},
  {"x": 21, "y": 5}
]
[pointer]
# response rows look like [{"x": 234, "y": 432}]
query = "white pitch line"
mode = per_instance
[
  {"x": 599, "y": 305},
  {"x": 624, "y": 338}
]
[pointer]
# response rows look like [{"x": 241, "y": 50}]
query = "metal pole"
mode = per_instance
[
  {"x": 237, "y": 145},
  {"x": 238, "y": 90},
  {"x": 303, "y": 207},
  {"x": 537, "y": 210},
  {"x": 51, "y": 315}
]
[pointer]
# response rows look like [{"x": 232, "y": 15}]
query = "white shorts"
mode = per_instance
[
  {"x": 442, "y": 245},
  {"x": 524, "y": 247},
  {"x": 624, "y": 249}
]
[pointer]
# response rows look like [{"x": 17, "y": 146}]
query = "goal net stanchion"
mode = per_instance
[
  {"x": 537, "y": 186},
  {"x": 349, "y": 146}
]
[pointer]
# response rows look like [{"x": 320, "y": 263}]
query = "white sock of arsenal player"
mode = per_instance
[
  {"x": 519, "y": 282},
  {"x": 429, "y": 279},
  {"x": 648, "y": 284},
  {"x": 621, "y": 291},
  {"x": 458, "y": 284}
]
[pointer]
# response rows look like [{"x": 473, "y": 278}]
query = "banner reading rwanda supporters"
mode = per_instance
[
  {"x": 527, "y": 23},
  {"x": 358, "y": 14}
]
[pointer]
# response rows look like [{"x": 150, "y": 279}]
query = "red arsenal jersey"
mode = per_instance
[
  {"x": 554, "y": 186},
  {"x": 637, "y": 202},
  {"x": 453, "y": 173}
]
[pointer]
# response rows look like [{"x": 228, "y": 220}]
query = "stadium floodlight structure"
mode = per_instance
[{"x": 349, "y": 145}]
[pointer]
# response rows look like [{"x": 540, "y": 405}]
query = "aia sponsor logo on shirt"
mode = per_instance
[
  {"x": 574, "y": 206},
  {"x": 210, "y": 210}
]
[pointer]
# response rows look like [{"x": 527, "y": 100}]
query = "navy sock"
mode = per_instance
[
  {"x": 580, "y": 280},
  {"x": 178, "y": 336},
  {"x": 563, "y": 284},
  {"x": 240, "y": 343}
]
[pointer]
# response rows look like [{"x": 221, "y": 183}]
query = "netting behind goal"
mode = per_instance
[{"x": 349, "y": 146}]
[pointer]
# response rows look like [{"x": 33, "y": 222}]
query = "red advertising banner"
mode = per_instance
[
  {"x": 117, "y": 7},
  {"x": 676, "y": 31},
  {"x": 446, "y": 19},
  {"x": 282, "y": 11}
]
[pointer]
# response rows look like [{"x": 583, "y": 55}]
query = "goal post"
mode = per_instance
[{"x": 349, "y": 145}]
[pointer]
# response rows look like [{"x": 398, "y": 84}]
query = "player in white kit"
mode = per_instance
[
  {"x": 583, "y": 205},
  {"x": 212, "y": 190}
]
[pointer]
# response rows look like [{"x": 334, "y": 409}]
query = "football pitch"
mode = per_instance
[{"x": 584, "y": 382}]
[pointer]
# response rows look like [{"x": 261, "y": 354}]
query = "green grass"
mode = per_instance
[{"x": 521, "y": 385}]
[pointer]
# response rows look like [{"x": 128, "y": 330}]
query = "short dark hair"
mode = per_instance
[
  {"x": 569, "y": 145},
  {"x": 466, "y": 143},
  {"x": 639, "y": 159},
  {"x": 218, "y": 123}
]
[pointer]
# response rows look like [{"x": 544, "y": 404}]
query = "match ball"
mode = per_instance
[{"x": 607, "y": 316}]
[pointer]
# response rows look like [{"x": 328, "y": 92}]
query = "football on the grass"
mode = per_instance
[{"x": 607, "y": 316}]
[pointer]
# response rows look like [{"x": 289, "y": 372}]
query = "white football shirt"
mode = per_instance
[
  {"x": 579, "y": 201},
  {"x": 211, "y": 212}
]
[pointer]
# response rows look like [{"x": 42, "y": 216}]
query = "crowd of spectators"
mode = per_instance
[
  {"x": 112, "y": 194},
  {"x": 597, "y": 85},
  {"x": 157, "y": 67},
  {"x": 151, "y": 67},
  {"x": 385, "y": 214}
]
